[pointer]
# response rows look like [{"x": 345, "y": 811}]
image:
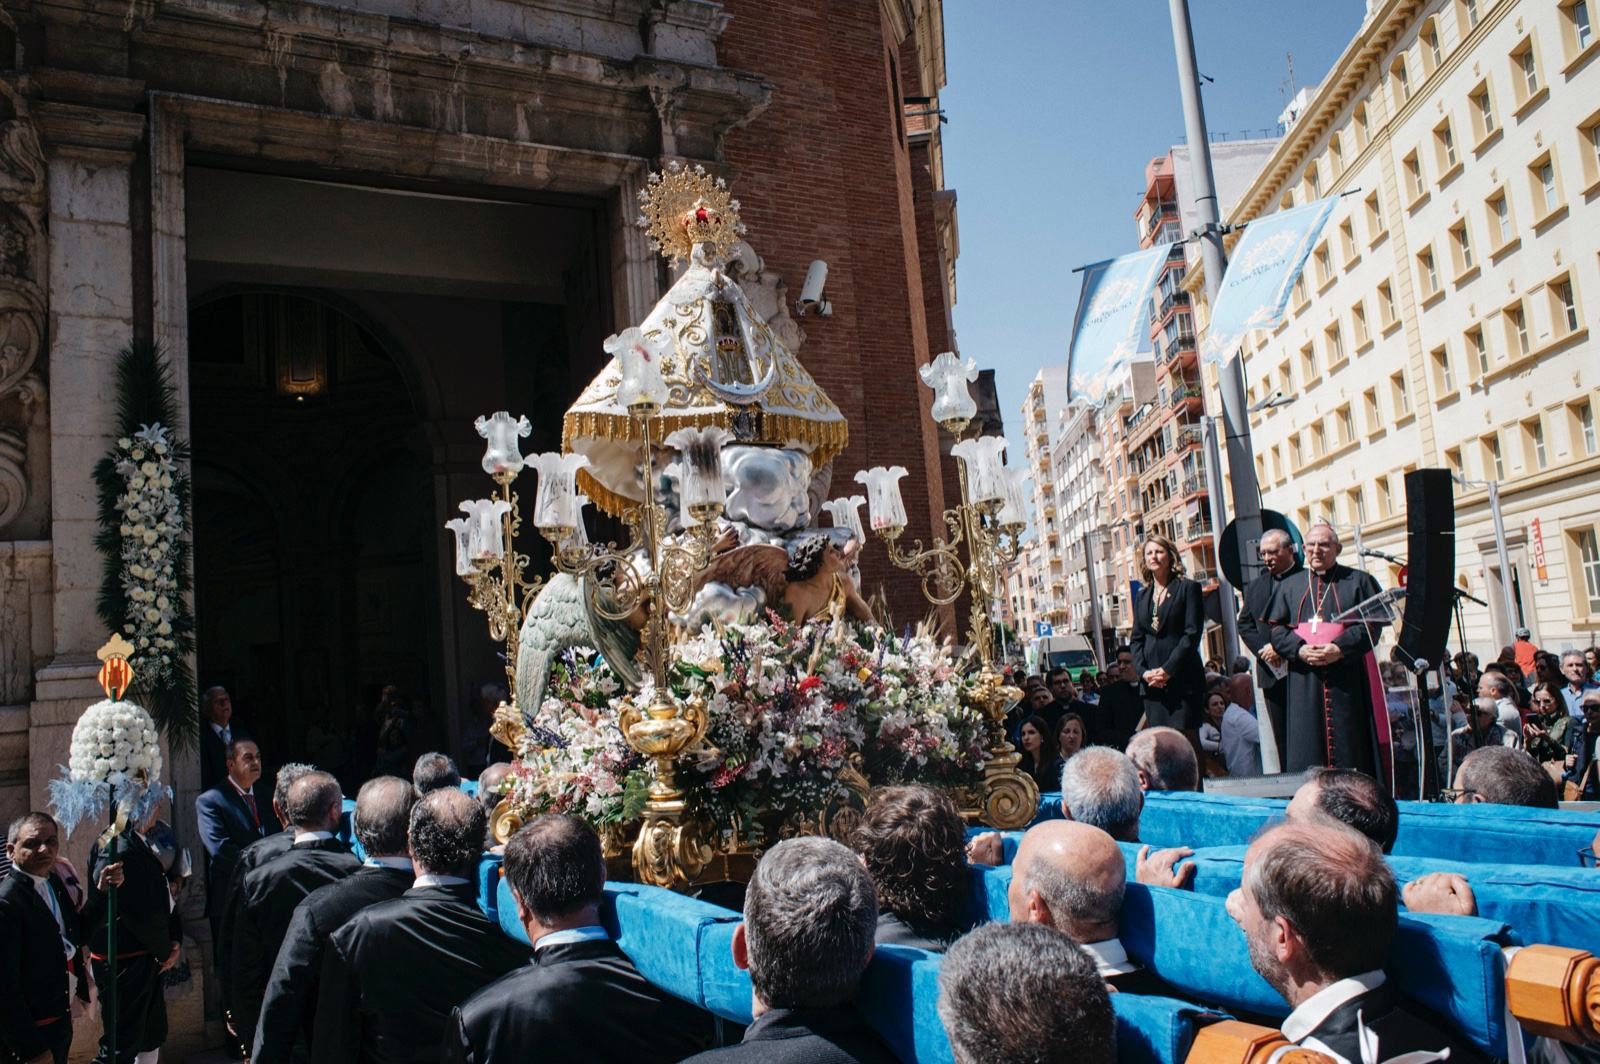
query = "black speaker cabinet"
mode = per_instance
[{"x": 1431, "y": 567}]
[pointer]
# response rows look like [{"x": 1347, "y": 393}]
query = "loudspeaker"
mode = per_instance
[{"x": 1431, "y": 567}]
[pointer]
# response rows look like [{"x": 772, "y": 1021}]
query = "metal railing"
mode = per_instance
[
  {"x": 1184, "y": 394},
  {"x": 1194, "y": 483}
]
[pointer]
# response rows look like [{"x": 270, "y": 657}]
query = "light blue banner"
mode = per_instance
[
  {"x": 1111, "y": 325},
  {"x": 1261, "y": 274}
]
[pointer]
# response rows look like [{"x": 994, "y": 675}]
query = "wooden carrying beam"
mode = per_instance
[
  {"x": 1555, "y": 992},
  {"x": 1234, "y": 1042}
]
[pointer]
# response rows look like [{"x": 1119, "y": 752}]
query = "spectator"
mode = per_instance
[
  {"x": 269, "y": 894},
  {"x": 1576, "y": 668},
  {"x": 1591, "y": 657},
  {"x": 1547, "y": 668},
  {"x": 433, "y": 771},
  {"x": 1168, "y": 623},
  {"x": 1550, "y": 727},
  {"x": 809, "y": 919},
  {"x": 1019, "y": 994},
  {"x": 1165, "y": 760},
  {"x": 1483, "y": 730},
  {"x": 1211, "y": 732},
  {"x": 1467, "y": 671},
  {"x": 1039, "y": 758},
  {"x": 1070, "y": 737},
  {"x": 1064, "y": 695},
  {"x": 913, "y": 842},
  {"x": 490, "y": 783},
  {"x": 382, "y": 814},
  {"x": 1583, "y": 738},
  {"x": 1071, "y": 877},
  {"x": 1088, "y": 688},
  {"x": 562, "y": 1006},
  {"x": 1351, "y": 798},
  {"x": 1318, "y": 905},
  {"x": 1100, "y": 787},
  {"x": 1503, "y": 776},
  {"x": 1115, "y": 718},
  {"x": 1524, "y": 653},
  {"x": 40, "y": 934},
  {"x": 1241, "y": 729},
  {"x": 217, "y": 733},
  {"x": 393, "y": 973},
  {"x": 1497, "y": 686}
]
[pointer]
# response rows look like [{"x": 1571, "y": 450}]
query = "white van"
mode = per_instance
[{"x": 1072, "y": 652}]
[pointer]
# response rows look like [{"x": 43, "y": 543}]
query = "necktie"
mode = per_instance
[
  {"x": 226, "y": 735},
  {"x": 250, "y": 800},
  {"x": 55, "y": 911}
]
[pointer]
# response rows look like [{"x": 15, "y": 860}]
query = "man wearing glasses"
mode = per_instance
[
  {"x": 1583, "y": 768},
  {"x": 1575, "y": 667}
]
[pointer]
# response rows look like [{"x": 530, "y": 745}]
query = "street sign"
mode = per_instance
[
  {"x": 1228, "y": 549},
  {"x": 1043, "y": 628},
  {"x": 1536, "y": 541},
  {"x": 1405, "y": 571}
]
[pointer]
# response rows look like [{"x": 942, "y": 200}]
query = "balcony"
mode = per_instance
[
  {"x": 1187, "y": 394},
  {"x": 1186, "y": 437},
  {"x": 1198, "y": 529},
  {"x": 1172, "y": 301},
  {"x": 1195, "y": 485}
]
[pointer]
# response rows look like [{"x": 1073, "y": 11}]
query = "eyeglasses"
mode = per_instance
[
  {"x": 1543, "y": 700},
  {"x": 1454, "y": 794}
]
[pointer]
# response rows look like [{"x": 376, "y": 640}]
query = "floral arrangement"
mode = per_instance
[
  {"x": 152, "y": 520},
  {"x": 144, "y": 519},
  {"x": 800, "y": 716},
  {"x": 115, "y": 758}
]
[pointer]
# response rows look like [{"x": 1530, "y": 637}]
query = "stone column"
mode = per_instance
[{"x": 88, "y": 153}]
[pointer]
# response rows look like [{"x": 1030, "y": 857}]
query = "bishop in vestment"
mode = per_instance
[{"x": 1330, "y": 713}]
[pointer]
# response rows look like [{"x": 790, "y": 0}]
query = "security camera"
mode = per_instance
[{"x": 811, "y": 294}]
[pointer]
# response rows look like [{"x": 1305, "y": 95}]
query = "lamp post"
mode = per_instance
[
  {"x": 1508, "y": 603},
  {"x": 990, "y": 520}
]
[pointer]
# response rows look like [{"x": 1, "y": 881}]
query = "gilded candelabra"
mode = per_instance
[{"x": 990, "y": 519}]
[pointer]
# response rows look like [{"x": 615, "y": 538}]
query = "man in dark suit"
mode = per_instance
[
  {"x": 39, "y": 938},
  {"x": 393, "y": 973},
  {"x": 231, "y": 816},
  {"x": 269, "y": 894},
  {"x": 1072, "y": 877},
  {"x": 810, "y": 918},
  {"x": 562, "y": 1007},
  {"x": 383, "y": 812},
  {"x": 149, "y": 934},
  {"x": 1279, "y": 558},
  {"x": 987, "y": 972},
  {"x": 1114, "y": 719},
  {"x": 217, "y": 733},
  {"x": 1319, "y": 907}
]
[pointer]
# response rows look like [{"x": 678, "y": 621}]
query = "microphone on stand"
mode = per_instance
[{"x": 1368, "y": 552}]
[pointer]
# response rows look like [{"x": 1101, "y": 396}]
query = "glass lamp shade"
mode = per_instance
[
  {"x": 463, "y": 530},
  {"x": 503, "y": 454},
  {"x": 986, "y": 474},
  {"x": 1015, "y": 511},
  {"x": 643, "y": 388},
  {"x": 703, "y": 493},
  {"x": 555, "y": 505},
  {"x": 485, "y": 541},
  {"x": 885, "y": 508},
  {"x": 846, "y": 513},
  {"x": 947, "y": 375}
]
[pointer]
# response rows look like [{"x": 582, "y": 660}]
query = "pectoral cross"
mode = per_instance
[{"x": 1316, "y": 621}]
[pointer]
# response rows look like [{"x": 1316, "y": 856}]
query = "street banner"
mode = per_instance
[
  {"x": 1261, "y": 274},
  {"x": 1541, "y": 572},
  {"x": 1111, "y": 325}
]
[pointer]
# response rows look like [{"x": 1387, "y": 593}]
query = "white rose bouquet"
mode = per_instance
[
  {"x": 151, "y": 521},
  {"x": 116, "y": 758}
]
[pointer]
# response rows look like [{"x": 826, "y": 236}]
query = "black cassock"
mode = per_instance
[{"x": 1330, "y": 719}]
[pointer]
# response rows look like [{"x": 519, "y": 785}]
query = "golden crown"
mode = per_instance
[{"x": 684, "y": 207}]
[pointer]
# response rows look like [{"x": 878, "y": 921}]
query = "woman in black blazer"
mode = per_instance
[{"x": 1168, "y": 623}]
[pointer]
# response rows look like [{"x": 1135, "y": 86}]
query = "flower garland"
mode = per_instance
[
  {"x": 144, "y": 494},
  {"x": 792, "y": 710},
  {"x": 152, "y": 520}
]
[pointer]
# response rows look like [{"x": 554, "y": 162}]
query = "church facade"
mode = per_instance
[{"x": 352, "y": 227}]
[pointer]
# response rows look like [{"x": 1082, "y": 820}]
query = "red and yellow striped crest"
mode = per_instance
[{"x": 115, "y": 672}]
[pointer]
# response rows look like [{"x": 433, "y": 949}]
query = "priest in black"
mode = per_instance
[
  {"x": 1320, "y": 931},
  {"x": 392, "y": 975},
  {"x": 1255, "y": 632},
  {"x": 269, "y": 894},
  {"x": 39, "y": 937},
  {"x": 383, "y": 811},
  {"x": 563, "y": 1007},
  {"x": 1330, "y": 714},
  {"x": 149, "y": 934}
]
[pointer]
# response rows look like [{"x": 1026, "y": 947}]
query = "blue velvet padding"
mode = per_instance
[
  {"x": 900, "y": 1001},
  {"x": 1049, "y": 807},
  {"x": 489, "y": 885},
  {"x": 1155, "y": 1030},
  {"x": 1184, "y": 818},
  {"x": 1494, "y": 834},
  {"x": 1453, "y": 965},
  {"x": 469, "y": 787},
  {"x": 990, "y": 886},
  {"x": 506, "y": 912}
]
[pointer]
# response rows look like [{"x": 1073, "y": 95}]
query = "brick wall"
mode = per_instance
[{"x": 825, "y": 173}]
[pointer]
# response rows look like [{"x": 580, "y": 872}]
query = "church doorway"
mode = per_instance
[{"x": 341, "y": 341}]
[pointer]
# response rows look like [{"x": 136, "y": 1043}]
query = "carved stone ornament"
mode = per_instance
[
  {"x": 13, "y": 480},
  {"x": 22, "y": 303}
]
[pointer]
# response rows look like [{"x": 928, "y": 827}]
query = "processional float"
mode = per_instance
[{"x": 719, "y": 682}]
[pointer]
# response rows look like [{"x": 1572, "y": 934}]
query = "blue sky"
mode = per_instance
[{"x": 1055, "y": 107}]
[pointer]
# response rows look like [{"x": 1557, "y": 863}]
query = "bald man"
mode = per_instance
[
  {"x": 1317, "y": 904},
  {"x": 1071, "y": 877},
  {"x": 1280, "y": 561},
  {"x": 1165, "y": 760},
  {"x": 1331, "y": 719}
]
